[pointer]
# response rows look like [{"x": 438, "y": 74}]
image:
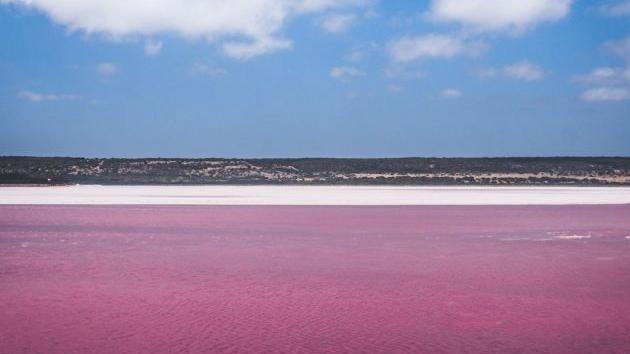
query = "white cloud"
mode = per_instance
[
  {"x": 337, "y": 23},
  {"x": 252, "y": 27},
  {"x": 345, "y": 73},
  {"x": 408, "y": 49},
  {"x": 309, "y": 6},
  {"x": 619, "y": 47},
  {"x": 40, "y": 97},
  {"x": 524, "y": 70},
  {"x": 451, "y": 93},
  {"x": 200, "y": 68},
  {"x": 606, "y": 94},
  {"x": 152, "y": 48},
  {"x": 107, "y": 69},
  {"x": 493, "y": 15},
  {"x": 609, "y": 84},
  {"x": 476, "y": 18},
  {"x": 617, "y": 9}
]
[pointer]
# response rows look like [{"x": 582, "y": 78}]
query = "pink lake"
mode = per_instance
[{"x": 273, "y": 279}]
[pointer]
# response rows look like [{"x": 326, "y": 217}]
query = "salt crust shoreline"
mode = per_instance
[{"x": 312, "y": 195}]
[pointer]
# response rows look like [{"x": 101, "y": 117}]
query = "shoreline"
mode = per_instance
[{"x": 314, "y": 195}]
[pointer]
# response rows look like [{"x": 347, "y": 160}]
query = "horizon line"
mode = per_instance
[{"x": 324, "y": 157}]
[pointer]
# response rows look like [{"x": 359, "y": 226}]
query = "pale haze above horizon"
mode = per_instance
[{"x": 314, "y": 78}]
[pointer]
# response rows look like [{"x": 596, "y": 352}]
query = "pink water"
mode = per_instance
[{"x": 168, "y": 279}]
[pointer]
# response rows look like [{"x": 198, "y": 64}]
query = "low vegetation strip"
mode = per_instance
[{"x": 318, "y": 171}]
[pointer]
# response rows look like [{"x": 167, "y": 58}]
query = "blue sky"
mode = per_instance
[{"x": 293, "y": 78}]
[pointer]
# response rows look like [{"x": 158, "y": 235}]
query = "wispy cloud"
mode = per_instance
[
  {"x": 200, "y": 68},
  {"x": 408, "y": 49},
  {"x": 523, "y": 70},
  {"x": 350, "y": 94},
  {"x": 606, "y": 94},
  {"x": 621, "y": 8},
  {"x": 394, "y": 88},
  {"x": 152, "y": 47},
  {"x": 403, "y": 72},
  {"x": 345, "y": 73},
  {"x": 41, "y": 97},
  {"x": 360, "y": 52},
  {"x": 337, "y": 23},
  {"x": 450, "y": 93},
  {"x": 107, "y": 69},
  {"x": 620, "y": 48},
  {"x": 608, "y": 75},
  {"x": 247, "y": 50}
]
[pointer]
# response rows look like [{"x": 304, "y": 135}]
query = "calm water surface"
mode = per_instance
[{"x": 168, "y": 279}]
